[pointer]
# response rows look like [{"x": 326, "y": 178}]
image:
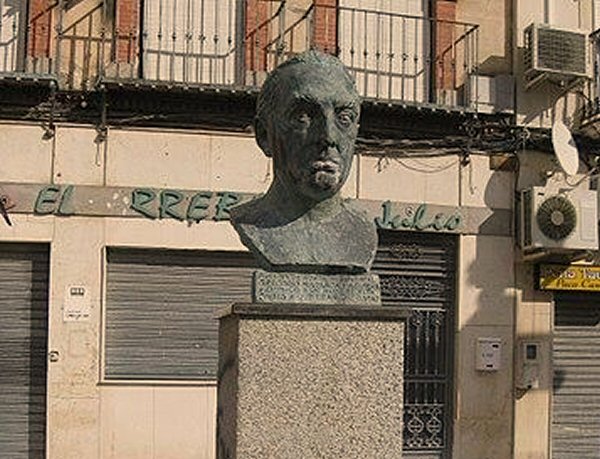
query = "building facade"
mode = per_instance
[{"x": 126, "y": 137}]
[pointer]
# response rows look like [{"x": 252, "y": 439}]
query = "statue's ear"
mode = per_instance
[{"x": 262, "y": 137}]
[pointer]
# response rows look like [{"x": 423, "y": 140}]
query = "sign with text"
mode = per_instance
[
  {"x": 570, "y": 277},
  {"x": 195, "y": 206},
  {"x": 77, "y": 306}
]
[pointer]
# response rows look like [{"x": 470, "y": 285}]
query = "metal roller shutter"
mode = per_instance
[
  {"x": 23, "y": 347},
  {"x": 576, "y": 389},
  {"x": 160, "y": 309},
  {"x": 417, "y": 271}
]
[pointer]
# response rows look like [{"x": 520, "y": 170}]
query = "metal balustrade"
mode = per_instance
[
  {"x": 395, "y": 57},
  {"x": 414, "y": 59},
  {"x": 26, "y": 38},
  {"x": 587, "y": 116},
  {"x": 218, "y": 43}
]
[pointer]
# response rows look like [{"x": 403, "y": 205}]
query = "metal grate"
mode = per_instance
[
  {"x": 233, "y": 44},
  {"x": 160, "y": 309},
  {"x": 417, "y": 271},
  {"x": 576, "y": 388},
  {"x": 561, "y": 50},
  {"x": 23, "y": 345}
]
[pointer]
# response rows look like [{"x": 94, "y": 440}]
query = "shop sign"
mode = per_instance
[
  {"x": 181, "y": 206},
  {"x": 570, "y": 277},
  {"x": 416, "y": 218},
  {"x": 194, "y": 206}
]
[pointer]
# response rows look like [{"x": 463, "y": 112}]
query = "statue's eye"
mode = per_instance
[
  {"x": 302, "y": 118},
  {"x": 346, "y": 117}
]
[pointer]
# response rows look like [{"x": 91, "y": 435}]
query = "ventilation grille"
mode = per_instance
[
  {"x": 551, "y": 52},
  {"x": 557, "y": 218},
  {"x": 557, "y": 222},
  {"x": 561, "y": 51}
]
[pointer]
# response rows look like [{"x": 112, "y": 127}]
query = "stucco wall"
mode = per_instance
[
  {"x": 91, "y": 419},
  {"x": 87, "y": 418},
  {"x": 495, "y": 42}
]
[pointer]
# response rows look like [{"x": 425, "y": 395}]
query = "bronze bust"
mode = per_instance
[{"x": 307, "y": 121}]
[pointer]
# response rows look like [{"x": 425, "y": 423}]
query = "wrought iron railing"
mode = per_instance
[
  {"x": 26, "y": 38},
  {"x": 417, "y": 272},
  {"x": 221, "y": 43},
  {"x": 394, "y": 57},
  {"x": 591, "y": 88},
  {"x": 399, "y": 57}
]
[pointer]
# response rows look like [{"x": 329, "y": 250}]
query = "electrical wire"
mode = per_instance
[{"x": 431, "y": 170}]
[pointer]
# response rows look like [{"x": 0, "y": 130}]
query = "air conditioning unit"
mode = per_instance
[
  {"x": 556, "y": 54},
  {"x": 554, "y": 221}
]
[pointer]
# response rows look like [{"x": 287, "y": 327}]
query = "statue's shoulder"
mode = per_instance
[
  {"x": 252, "y": 213},
  {"x": 243, "y": 212},
  {"x": 353, "y": 208},
  {"x": 362, "y": 227}
]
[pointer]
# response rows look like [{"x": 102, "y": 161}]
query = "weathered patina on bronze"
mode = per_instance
[{"x": 307, "y": 121}]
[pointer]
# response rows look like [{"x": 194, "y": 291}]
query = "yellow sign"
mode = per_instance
[{"x": 570, "y": 277}]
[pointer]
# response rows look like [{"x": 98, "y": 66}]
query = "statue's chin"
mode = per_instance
[
  {"x": 322, "y": 185},
  {"x": 326, "y": 180}
]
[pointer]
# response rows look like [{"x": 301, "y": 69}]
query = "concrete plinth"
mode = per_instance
[{"x": 307, "y": 381}]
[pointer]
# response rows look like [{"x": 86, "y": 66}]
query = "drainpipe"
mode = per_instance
[{"x": 432, "y": 14}]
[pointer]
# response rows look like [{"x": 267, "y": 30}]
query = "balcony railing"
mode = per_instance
[
  {"x": 399, "y": 57},
  {"x": 26, "y": 38},
  {"x": 587, "y": 115},
  {"x": 395, "y": 57}
]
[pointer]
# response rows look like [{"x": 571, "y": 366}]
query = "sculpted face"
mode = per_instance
[{"x": 311, "y": 129}]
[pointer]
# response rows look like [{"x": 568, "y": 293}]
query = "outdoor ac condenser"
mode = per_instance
[
  {"x": 558, "y": 221},
  {"x": 556, "y": 54}
]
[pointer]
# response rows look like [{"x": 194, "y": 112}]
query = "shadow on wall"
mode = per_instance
[{"x": 536, "y": 104}]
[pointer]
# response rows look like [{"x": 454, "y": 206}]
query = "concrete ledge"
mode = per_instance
[{"x": 316, "y": 311}]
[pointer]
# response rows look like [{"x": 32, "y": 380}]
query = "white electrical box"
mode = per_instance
[
  {"x": 528, "y": 371},
  {"x": 488, "y": 354}
]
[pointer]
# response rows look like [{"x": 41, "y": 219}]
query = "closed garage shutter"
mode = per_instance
[
  {"x": 160, "y": 307},
  {"x": 24, "y": 322},
  {"x": 576, "y": 391}
]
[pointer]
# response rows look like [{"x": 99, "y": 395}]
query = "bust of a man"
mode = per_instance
[{"x": 307, "y": 121}]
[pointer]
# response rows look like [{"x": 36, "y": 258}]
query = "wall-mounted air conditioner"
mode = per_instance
[
  {"x": 555, "y": 54},
  {"x": 558, "y": 221}
]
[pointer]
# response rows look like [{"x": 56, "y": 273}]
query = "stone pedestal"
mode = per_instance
[{"x": 301, "y": 381}]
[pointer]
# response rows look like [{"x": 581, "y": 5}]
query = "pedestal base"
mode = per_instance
[{"x": 303, "y": 382}]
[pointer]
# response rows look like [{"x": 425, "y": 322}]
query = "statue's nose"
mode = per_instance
[{"x": 328, "y": 131}]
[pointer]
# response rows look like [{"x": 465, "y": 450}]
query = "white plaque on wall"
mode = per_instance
[{"x": 77, "y": 304}]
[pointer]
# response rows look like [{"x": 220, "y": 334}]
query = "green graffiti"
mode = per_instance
[
  {"x": 140, "y": 198},
  {"x": 198, "y": 208},
  {"x": 416, "y": 220},
  {"x": 169, "y": 199}
]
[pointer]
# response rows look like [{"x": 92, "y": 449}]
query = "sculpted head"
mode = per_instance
[{"x": 307, "y": 121}]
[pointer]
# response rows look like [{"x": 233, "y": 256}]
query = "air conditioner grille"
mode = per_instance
[
  {"x": 557, "y": 218},
  {"x": 561, "y": 50}
]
